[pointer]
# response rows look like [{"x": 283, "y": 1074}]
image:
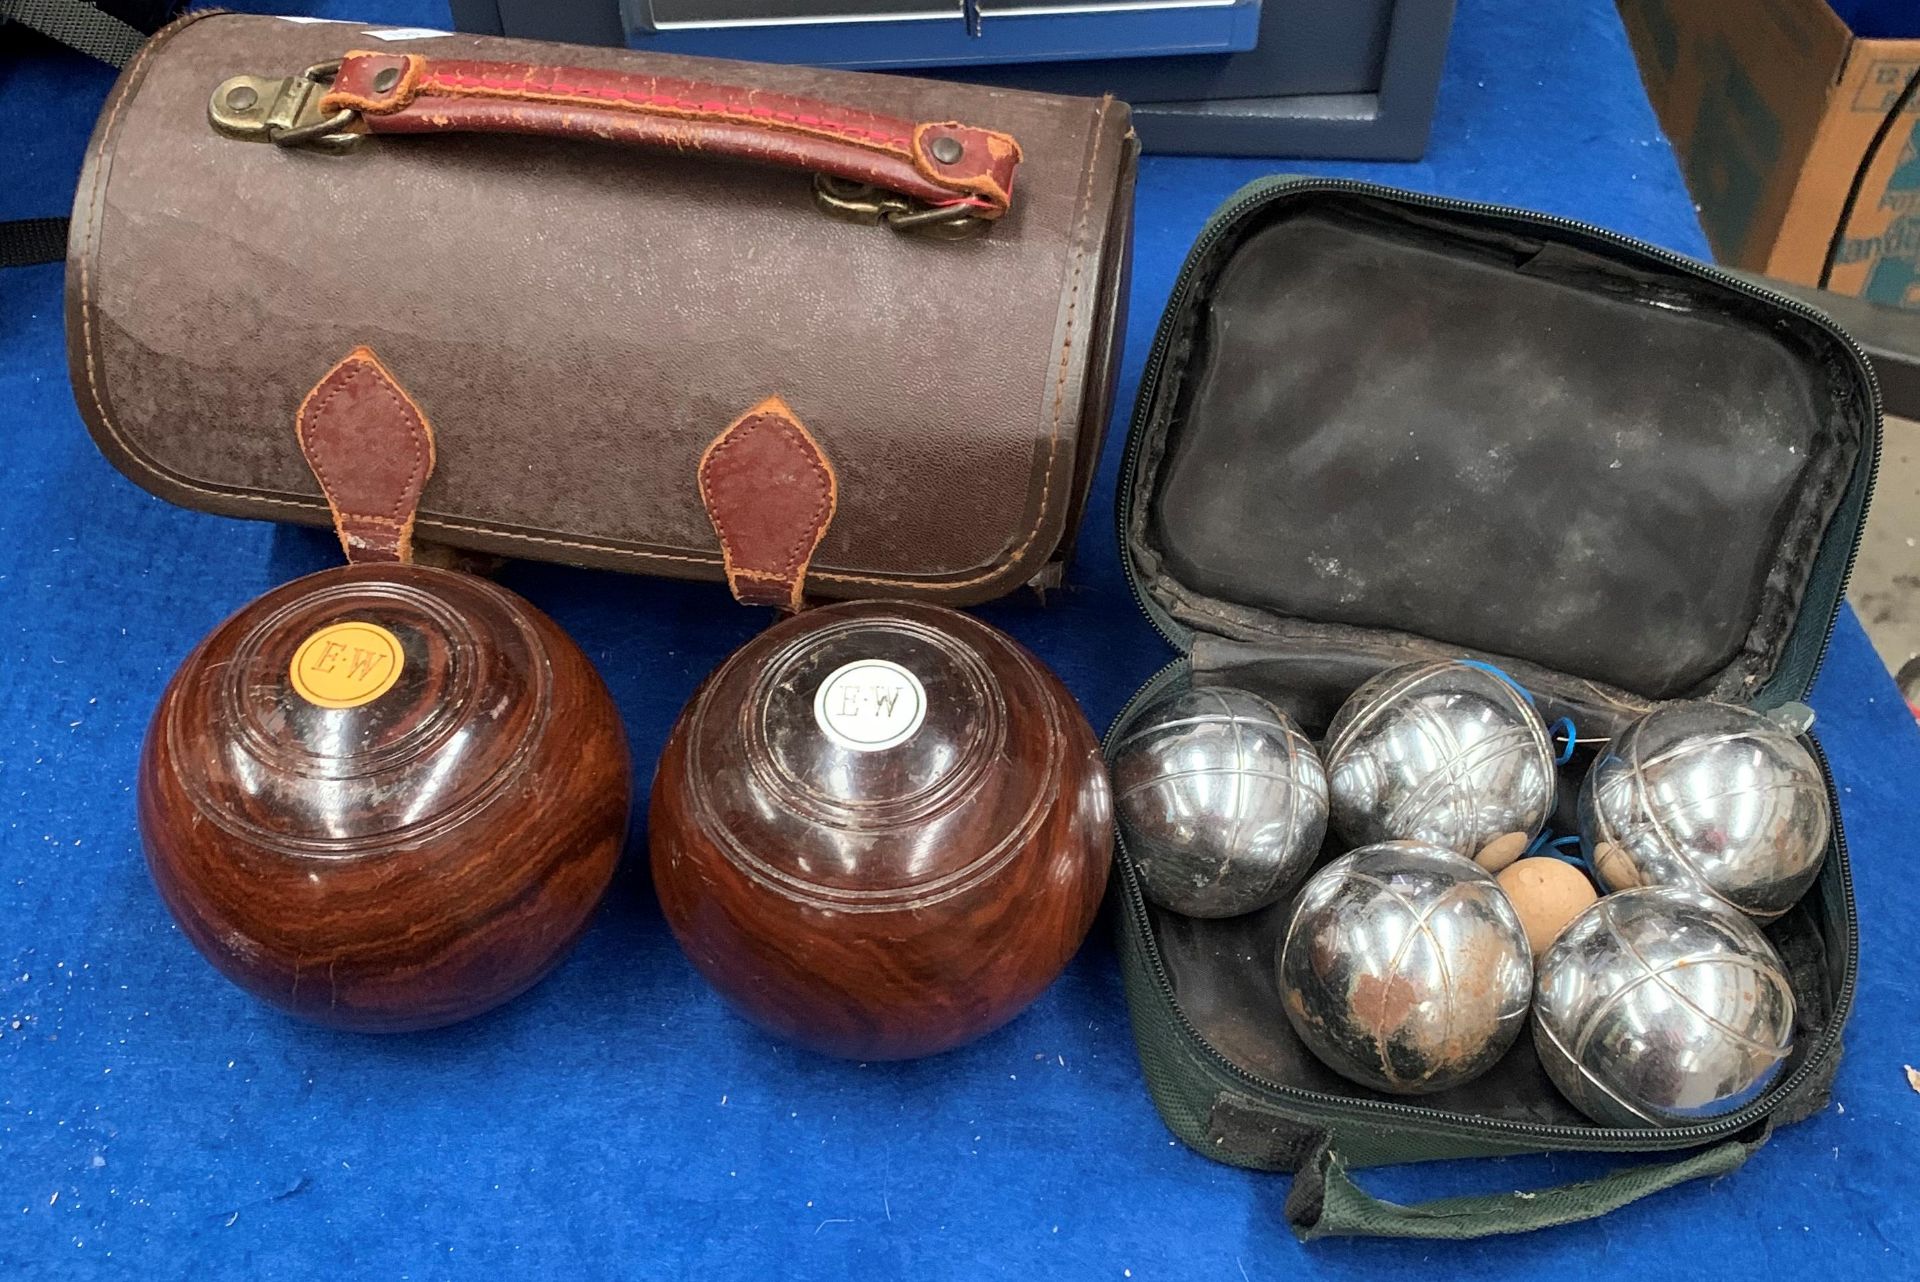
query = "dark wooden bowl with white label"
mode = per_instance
[
  {"x": 384, "y": 797},
  {"x": 881, "y": 830}
]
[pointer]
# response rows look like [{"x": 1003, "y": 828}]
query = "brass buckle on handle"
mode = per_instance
[
  {"x": 864, "y": 203},
  {"x": 285, "y": 112}
]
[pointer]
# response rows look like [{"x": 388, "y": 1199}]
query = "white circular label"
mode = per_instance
[{"x": 870, "y": 705}]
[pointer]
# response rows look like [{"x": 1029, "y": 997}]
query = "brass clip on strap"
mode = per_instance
[
  {"x": 865, "y": 203},
  {"x": 284, "y": 111}
]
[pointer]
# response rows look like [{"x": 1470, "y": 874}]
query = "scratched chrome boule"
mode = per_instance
[
  {"x": 1405, "y": 968},
  {"x": 1659, "y": 1007},
  {"x": 1710, "y": 796},
  {"x": 1446, "y": 752},
  {"x": 1221, "y": 800}
]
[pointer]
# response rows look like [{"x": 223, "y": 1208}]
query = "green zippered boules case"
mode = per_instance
[{"x": 1378, "y": 427}]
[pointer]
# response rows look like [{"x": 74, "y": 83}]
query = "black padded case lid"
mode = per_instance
[{"x": 1379, "y": 426}]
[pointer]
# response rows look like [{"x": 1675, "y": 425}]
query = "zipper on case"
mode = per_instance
[{"x": 1181, "y": 638}]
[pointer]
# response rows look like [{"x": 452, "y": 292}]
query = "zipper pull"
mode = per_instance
[{"x": 1795, "y": 718}]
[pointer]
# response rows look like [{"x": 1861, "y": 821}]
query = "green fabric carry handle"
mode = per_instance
[{"x": 1325, "y": 1202}]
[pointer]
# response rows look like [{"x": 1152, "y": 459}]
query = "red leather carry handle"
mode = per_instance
[{"x": 944, "y": 164}]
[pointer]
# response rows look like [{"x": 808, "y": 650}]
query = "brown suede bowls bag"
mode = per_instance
[{"x": 585, "y": 264}]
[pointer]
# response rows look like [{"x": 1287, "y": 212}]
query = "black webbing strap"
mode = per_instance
[
  {"x": 25, "y": 242},
  {"x": 79, "y": 25}
]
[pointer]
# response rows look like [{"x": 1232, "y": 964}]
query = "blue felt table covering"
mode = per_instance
[{"x": 618, "y": 1121}]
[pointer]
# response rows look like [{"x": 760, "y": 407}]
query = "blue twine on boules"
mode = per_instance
[
  {"x": 1565, "y": 849},
  {"x": 1553, "y": 732},
  {"x": 1501, "y": 673},
  {"x": 1565, "y": 752}
]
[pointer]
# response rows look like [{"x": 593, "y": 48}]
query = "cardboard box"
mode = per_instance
[{"x": 1775, "y": 107}]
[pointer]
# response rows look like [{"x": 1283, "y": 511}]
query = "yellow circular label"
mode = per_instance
[{"x": 344, "y": 665}]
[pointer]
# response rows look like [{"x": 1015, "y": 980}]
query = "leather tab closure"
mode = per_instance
[
  {"x": 770, "y": 493},
  {"x": 371, "y": 449}
]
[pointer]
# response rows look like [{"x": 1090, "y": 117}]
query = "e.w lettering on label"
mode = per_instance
[
  {"x": 346, "y": 665},
  {"x": 870, "y": 705}
]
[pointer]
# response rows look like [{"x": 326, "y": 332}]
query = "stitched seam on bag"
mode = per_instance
[
  {"x": 448, "y": 523},
  {"x": 456, "y": 85},
  {"x": 1059, "y": 393}
]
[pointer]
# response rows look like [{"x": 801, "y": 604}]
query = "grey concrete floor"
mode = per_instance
[{"x": 1886, "y": 579}]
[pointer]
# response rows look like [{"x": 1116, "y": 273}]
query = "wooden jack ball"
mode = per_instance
[
  {"x": 384, "y": 797},
  {"x": 881, "y": 830}
]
